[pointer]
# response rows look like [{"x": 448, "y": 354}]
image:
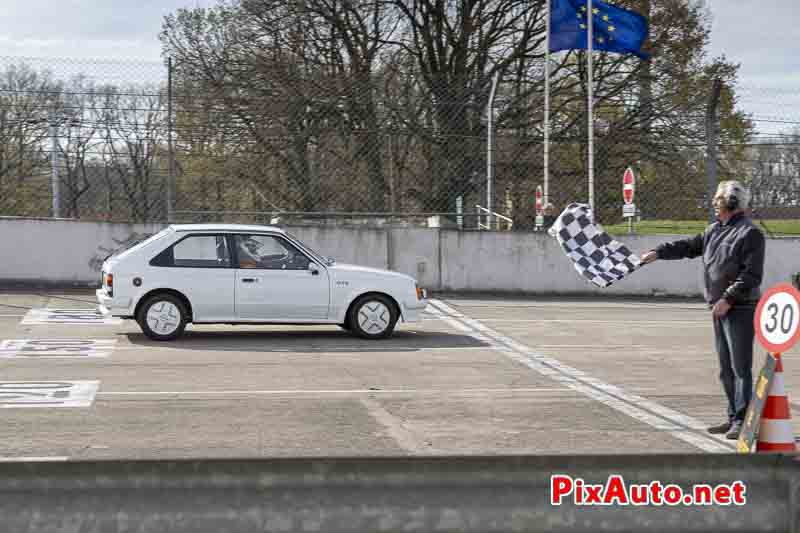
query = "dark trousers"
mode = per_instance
[{"x": 734, "y": 335}]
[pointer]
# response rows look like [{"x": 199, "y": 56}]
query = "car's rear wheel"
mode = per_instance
[
  {"x": 163, "y": 317},
  {"x": 373, "y": 316}
]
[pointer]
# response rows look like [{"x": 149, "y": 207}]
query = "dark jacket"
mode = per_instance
[{"x": 733, "y": 259}]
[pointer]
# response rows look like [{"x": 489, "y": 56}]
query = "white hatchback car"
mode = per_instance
[{"x": 235, "y": 274}]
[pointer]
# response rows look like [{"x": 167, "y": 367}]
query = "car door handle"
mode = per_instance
[{"x": 249, "y": 280}]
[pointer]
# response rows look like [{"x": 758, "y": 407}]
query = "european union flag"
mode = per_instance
[{"x": 613, "y": 29}]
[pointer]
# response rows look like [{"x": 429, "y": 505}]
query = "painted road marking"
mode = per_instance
[
  {"x": 289, "y": 392},
  {"x": 56, "y": 348},
  {"x": 49, "y": 458},
  {"x": 47, "y": 393},
  {"x": 46, "y": 315},
  {"x": 658, "y": 416}
]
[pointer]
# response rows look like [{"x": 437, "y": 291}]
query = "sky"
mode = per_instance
[{"x": 760, "y": 35}]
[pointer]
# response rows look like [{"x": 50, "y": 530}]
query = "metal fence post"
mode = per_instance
[
  {"x": 171, "y": 147},
  {"x": 711, "y": 145},
  {"x": 54, "y": 178}
]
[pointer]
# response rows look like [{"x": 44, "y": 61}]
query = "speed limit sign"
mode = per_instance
[{"x": 777, "y": 320}]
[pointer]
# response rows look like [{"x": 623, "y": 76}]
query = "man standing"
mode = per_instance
[{"x": 733, "y": 264}]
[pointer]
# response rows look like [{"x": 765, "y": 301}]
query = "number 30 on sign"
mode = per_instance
[{"x": 777, "y": 320}]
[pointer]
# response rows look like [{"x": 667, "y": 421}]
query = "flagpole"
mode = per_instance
[
  {"x": 547, "y": 106},
  {"x": 590, "y": 38}
]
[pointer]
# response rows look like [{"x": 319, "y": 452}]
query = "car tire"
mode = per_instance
[
  {"x": 163, "y": 317},
  {"x": 373, "y": 316}
]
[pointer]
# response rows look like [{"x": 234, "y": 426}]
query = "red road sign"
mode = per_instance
[
  {"x": 777, "y": 320},
  {"x": 539, "y": 207},
  {"x": 628, "y": 186}
]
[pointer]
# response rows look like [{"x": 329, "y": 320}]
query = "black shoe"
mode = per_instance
[
  {"x": 736, "y": 428},
  {"x": 722, "y": 428}
]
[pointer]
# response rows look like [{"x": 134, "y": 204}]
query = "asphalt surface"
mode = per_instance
[{"x": 476, "y": 376}]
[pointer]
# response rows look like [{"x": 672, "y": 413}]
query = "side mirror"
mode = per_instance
[
  {"x": 330, "y": 261},
  {"x": 314, "y": 269}
]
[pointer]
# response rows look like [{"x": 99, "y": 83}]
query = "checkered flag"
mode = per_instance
[{"x": 597, "y": 257}]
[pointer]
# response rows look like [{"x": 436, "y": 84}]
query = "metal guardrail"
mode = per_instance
[{"x": 409, "y": 494}]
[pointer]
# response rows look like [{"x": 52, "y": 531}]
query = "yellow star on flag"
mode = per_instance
[
  {"x": 583, "y": 26},
  {"x": 605, "y": 18},
  {"x": 595, "y": 11},
  {"x": 611, "y": 28},
  {"x": 600, "y": 40}
]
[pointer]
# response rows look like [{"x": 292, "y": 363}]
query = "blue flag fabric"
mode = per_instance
[{"x": 614, "y": 29}]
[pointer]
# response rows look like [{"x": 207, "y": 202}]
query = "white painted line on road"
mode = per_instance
[
  {"x": 56, "y": 348},
  {"x": 288, "y": 392},
  {"x": 91, "y": 317},
  {"x": 53, "y": 458},
  {"x": 15, "y": 394},
  {"x": 681, "y": 323},
  {"x": 4, "y": 315},
  {"x": 662, "y": 418}
]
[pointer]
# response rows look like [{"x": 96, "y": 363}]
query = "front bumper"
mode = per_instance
[{"x": 413, "y": 309}]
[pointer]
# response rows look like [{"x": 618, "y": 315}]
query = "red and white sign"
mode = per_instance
[
  {"x": 777, "y": 320},
  {"x": 539, "y": 207},
  {"x": 628, "y": 186}
]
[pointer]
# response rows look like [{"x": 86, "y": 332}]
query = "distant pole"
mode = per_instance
[
  {"x": 54, "y": 178},
  {"x": 547, "y": 105},
  {"x": 170, "y": 146},
  {"x": 489, "y": 146},
  {"x": 590, "y": 43},
  {"x": 711, "y": 145}
]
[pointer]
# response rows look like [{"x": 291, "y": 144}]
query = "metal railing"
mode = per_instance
[{"x": 489, "y": 214}]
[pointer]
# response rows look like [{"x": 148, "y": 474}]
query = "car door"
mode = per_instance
[
  {"x": 277, "y": 282},
  {"x": 201, "y": 267}
]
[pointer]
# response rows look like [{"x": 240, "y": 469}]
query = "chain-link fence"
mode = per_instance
[{"x": 249, "y": 141}]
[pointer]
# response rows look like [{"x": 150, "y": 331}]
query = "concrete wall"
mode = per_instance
[{"x": 66, "y": 252}]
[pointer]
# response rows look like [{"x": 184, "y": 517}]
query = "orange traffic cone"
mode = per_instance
[{"x": 775, "y": 430}]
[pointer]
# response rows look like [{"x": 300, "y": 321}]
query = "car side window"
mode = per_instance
[
  {"x": 269, "y": 252},
  {"x": 196, "y": 251}
]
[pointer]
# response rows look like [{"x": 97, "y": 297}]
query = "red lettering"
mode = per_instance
[
  {"x": 578, "y": 491},
  {"x": 593, "y": 494},
  {"x": 639, "y": 495},
  {"x": 560, "y": 486},
  {"x": 672, "y": 494},
  {"x": 655, "y": 493},
  {"x": 739, "y": 490},
  {"x": 702, "y": 495},
  {"x": 615, "y": 489},
  {"x": 722, "y": 495}
]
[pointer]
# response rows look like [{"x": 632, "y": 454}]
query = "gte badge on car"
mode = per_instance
[{"x": 233, "y": 274}]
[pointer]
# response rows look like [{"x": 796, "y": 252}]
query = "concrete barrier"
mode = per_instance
[
  {"x": 409, "y": 494},
  {"x": 67, "y": 252}
]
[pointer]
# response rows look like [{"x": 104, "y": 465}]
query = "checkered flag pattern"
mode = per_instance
[{"x": 597, "y": 257}]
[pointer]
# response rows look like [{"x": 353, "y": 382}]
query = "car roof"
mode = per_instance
[{"x": 225, "y": 228}]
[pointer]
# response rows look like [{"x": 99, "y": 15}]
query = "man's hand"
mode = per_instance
[
  {"x": 649, "y": 257},
  {"x": 721, "y": 308}
]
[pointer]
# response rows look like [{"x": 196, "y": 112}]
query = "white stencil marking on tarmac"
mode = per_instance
[
  {"x": 677, "y": 424},
  {"x": 90, "y": 317},
  {"x": 47, "y": 393},
  {"x": 49, "y": 458},
  {"x": 56, "y": 348}
]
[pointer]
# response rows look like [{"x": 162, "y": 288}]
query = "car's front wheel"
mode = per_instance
[
  {"x": 163, "y": 317},
  {"x": 373, "y": 316}
]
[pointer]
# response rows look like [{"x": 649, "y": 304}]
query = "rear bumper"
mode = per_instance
[{"x": 117, "y": 307}]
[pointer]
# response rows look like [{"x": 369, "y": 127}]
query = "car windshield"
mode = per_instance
[{"x": 318, "y": 256}]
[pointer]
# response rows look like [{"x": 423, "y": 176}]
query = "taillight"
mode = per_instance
[
  {"x": 110, "y": 284},
  {"x": 420, "y": 293}
]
